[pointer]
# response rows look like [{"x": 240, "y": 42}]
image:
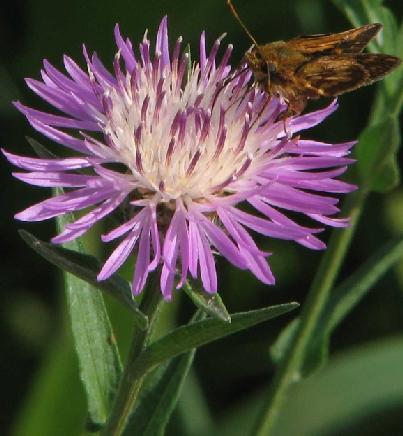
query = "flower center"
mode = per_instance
[{"x": 172, "y": 140}]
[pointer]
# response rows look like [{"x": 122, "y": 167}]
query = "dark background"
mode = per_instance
[{"x": 232, "y": 371}]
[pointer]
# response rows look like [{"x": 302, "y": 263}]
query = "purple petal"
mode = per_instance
[
  {"x": 299, "y": 201},
  {"x": 260, "y": 203},
  {"x": 258, "y": 266},
  {"x": 59, "y": 99},
  {"x": 82, "y": 225},
  {"x": 326, "y": 185},
  {"x": 206, "y": 261},
  {"x": 127, "y": 53},
  {"x": 119, "y": 255},
  {"x": 40, "y": 164},
  {"x": 218, "y": 238},
  {"x": 320, "y": 148},
  {"x": 307, "y": 163},
  {"x": 312, "y": 242},
  {"x": 193, "y": 249},
  {"x": 184, "y": 249},
  {"x": 255, "y": 259},
  {"x": 58, "y": 136},
  {"x": 64, "y": 203},
  {"x": 162, "y": 42},
  {"x": 141, "y": 269},
  {"x": 155, "y": 239},
  {"x": 170, "y": 255},
  {"x": 203, "y": 56},
  {"x": 306, "y": 121},
  {"x": 135, "y": 222},
  {"x": 64, "y": 83},
  {"x": 101, "y": 73},
  {"x": 266, "y": 227},
  {"x": 56, "y": 120},
  {"x": 334, "y": 222},
  {"x": 54, "y": 179},
  {"x": 238, "y": 233},
  {"x": 76, "y": 73}
]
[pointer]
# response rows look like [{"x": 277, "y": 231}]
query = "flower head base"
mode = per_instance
[{"x": 190, "y": 153}]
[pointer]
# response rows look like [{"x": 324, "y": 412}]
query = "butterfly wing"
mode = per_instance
[
  {"x": 334, "y": 75},
  {"x": 349, "y": 41}
]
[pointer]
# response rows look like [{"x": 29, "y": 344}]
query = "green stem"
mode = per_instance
[
  {"x": 289, "y": 370},
  {"x": 130, "y": 384}
]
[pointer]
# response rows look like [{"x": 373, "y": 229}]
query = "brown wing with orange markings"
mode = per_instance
[
  {"x": 330, "y": 76},
  {"x": 349, "y": 41}
]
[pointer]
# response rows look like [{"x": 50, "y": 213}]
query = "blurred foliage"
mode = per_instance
[{"x": 37, "y": 352}]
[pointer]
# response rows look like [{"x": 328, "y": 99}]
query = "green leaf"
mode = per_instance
[
  {"x": 193, "y": 411},
  {"x": 189, "y": 63},
  {"x": 199, "y": 333},
  {"x": 362, "y": 382},
  {"x": 283, "y": 341},
  {"x": 86, "y": 267},
  {"x": 98, "y": 356},
  {"x": 40, "y": 149},
  {"x": 55, "y": 388},
  {"x": 316, "y": 355},
  {"x": 211, "y": 304},
  {"x": 160, "y": 395},
  {"x": 346, "y": 296},
  {"x": 357, "y": 384},
  {"x": 376, "y": 154},
  {"x": 342, "y": 301},
  {"x": 360, "y": 12}
]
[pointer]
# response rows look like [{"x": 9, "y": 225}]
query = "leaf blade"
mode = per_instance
[
  {"x": 344, "y": 298},
  {"x": 199, "y": 333},
  {"x": 357, "y": 383},
  {"x": 100, "y": 366},
  {"x": 86, "y": 267},
  {"x": 211, "y": 304},
  {"x": 159, "y": 398},
  {"x": 376, "y": 154}
]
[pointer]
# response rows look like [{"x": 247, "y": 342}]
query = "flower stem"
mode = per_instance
[
  {"x": 291, "y": 365},
  {"x": 130, "y": 383}
]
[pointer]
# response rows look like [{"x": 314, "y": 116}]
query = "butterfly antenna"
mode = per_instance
[{"x": 235, "y": 14}]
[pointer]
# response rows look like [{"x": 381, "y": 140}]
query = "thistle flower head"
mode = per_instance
[{"x": 184, "y": 150}]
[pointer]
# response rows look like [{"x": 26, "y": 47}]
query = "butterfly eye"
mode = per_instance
[
  {"x": 268, "y": 68},
  {"x": 271, "y": 68}
]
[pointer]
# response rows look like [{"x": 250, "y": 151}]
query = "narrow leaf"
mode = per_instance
[
  {"x": 202, "y": 332},
  {"x": 346, "y": 296},
  {"x": 39, "y": 149},
  {"x": 160, "y": 395},
  {"x": 283, "y": 341},
  {"x": 211, "y": 304},
  {"x": 86, "y": 267},
  {"x": 360, "y": 383},
  {"x": 98, "y": 356},
  {"x": 95, "y": 344},
  {"x": 316, "y": 353},
  {"x": 376, "y": 154},
  {"x": 57, "y": 377},
  {"x": 189, "y": 63},
  {"x": 342, "y": 301},
  {"x": 193, "y": 411}
]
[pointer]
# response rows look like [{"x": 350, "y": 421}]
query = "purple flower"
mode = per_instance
[{"x": 192, "y": 153}]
